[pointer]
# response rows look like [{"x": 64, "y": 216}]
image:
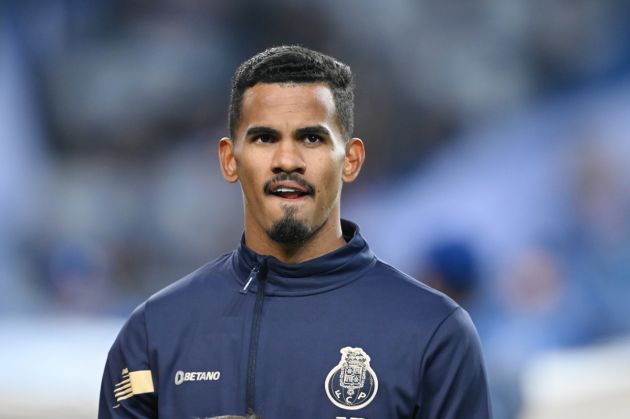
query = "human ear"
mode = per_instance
[
  {"x": 227, "y": 161},
  {"x": 355, "y": 156}
]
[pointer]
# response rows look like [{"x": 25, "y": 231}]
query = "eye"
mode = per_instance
[
  {"x": 263, "y": 138},
  {"x": 313, "y": 139}
]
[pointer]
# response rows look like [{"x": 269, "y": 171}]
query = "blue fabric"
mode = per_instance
[{"x": 413, "y": 353}]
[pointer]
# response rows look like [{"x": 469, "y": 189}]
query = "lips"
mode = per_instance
[
  {"x": 288, "y": 190},
  {"x": 294, "y": 188}
]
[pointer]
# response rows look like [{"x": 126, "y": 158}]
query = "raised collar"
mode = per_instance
[{"x": 322, "y": 274}]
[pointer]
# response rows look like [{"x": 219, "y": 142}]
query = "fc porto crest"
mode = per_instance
[{"x": 352, "y": 384}]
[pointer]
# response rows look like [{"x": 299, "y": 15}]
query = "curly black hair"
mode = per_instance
[{"x": 295, "y": 64}]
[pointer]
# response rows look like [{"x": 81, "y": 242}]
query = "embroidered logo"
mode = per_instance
[
  {"x": 352, "y": 384},
  {"x": 181, "y": 376}
]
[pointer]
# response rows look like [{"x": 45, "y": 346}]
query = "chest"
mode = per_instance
[{"x": 307, "y": 358}]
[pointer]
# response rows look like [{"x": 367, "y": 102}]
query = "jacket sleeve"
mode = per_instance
[
  {"x": 128, "y": 385},
  {"x": 454, "y": 384}
]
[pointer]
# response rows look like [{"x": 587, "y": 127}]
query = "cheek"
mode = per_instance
[
  {"x": 251, "y": 162},
  {"x": 251, "y": 181},
  {"x": 331, "y": 181}
]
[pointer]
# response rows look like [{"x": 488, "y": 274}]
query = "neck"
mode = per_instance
[{"x": 326, "y": 239}]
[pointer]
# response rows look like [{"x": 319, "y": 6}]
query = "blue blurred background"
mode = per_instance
[{"x": 498, "y": 144}]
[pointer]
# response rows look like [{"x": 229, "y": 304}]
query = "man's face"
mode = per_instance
[{"x": 289, "y": 155}]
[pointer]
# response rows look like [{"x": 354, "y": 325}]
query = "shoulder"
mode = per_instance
[
  {"x": 397, "y": 283},
  {"x": 442, "y": 321},
  {"x": 192, "y": 288},
  {"x": 405, "y": 297}
]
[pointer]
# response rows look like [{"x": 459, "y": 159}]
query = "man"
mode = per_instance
[{"x": 301, "y": 320}]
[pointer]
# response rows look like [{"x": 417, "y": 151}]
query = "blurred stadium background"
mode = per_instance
[{"x": 498, "y": 140}]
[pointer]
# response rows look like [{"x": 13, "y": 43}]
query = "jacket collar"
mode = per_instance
[{"x": 332, "y": 270}]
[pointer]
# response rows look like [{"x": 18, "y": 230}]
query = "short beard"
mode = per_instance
[{"x": 290, "y": 232}]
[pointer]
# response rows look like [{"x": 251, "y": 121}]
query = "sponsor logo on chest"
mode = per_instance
[{"x": 183, "y": 376}]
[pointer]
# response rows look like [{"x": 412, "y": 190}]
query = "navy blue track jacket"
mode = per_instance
[{"x": 340, "y": 336}]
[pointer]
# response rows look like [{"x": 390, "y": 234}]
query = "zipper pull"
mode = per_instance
[{"x": 252, "y": 275}]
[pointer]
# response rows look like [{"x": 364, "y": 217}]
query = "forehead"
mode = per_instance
[{"x": 281, "y": 105}]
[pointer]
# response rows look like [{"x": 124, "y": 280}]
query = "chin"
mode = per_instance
[{"x": 290, "y": 231}]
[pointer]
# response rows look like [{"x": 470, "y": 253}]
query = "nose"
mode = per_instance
[{"x": 287, "y": 158}]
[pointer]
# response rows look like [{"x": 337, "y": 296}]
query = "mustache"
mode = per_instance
[{"x": 294, "y": 177}]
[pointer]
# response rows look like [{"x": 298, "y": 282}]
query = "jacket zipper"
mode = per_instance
[{"x": 254, "y": 275}]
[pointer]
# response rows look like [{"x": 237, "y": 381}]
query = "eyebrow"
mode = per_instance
[
  {"x": 253, "y": 131},
  {"x": 315, "y": 129}
]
